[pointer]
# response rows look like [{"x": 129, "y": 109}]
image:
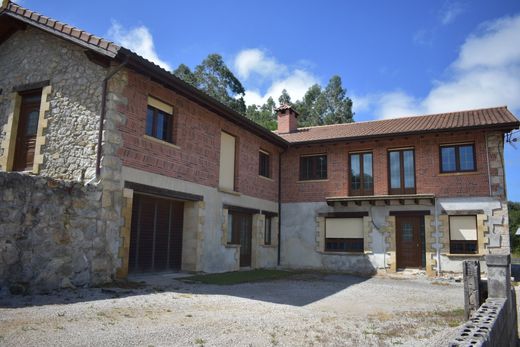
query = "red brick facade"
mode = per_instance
[
  {"x": 427, "y": 171},
  {"x": 197, "y": 134}
]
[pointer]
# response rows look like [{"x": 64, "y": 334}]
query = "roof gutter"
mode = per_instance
[{"x": 103, "y": 114}]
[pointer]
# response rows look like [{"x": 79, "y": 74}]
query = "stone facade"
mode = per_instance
[
  {"x": 66, "y": 147},
  {"x": 50, "y": 235}
]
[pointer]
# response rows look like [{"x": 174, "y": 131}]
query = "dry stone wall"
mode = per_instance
[{"x": 51, "y": 234}]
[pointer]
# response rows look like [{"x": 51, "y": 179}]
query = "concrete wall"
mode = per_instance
[
  {"x": 51, "y": 235},
  {"x": 67, "y": 144},
  {"x": 300, "y": 235},
  {"x": 205, "y": 224}
]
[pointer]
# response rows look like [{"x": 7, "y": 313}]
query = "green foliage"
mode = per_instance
[
  {"x": 214, "y": 78},
  {"x": 330, "y": 105},
  {"x": 514, "y": 224}
]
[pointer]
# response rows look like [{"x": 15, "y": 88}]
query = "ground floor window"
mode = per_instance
[
  {"x": 463, "y": 235},
  {"x": 344, "y": 235},
  {"x": 268, "y": 231}
]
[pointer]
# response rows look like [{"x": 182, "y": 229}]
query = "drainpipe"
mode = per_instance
[
  {"x": 488, "y": 167},
  {"x": 279, "y": 205},
  {"x": 437, "y": 240},
  {"x": 103, "y": 113}
]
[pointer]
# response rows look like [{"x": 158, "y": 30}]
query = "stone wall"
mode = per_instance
[
  {"x": 50, "y": 235},
  {"x": 68, "y": 144}
]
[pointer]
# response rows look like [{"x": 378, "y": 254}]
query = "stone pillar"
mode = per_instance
[
  {"x": 499, "y": 275},
  {"x": 471, "y": 272}
]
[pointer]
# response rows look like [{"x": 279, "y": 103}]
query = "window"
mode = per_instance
[
  {"x": 401, "y": 169},
  {"x": 361, "y": 177},
  {"x": 313, "y": 167},
  {"x": 264, "y": 165},
  {"x": 457, "y": 158},
  {"x": 463, "y": 235},
  {"x": 268, "y": 232},
  {"x": 227, "y": 161},
  {"x": 159, "y": 120},
  {"x": 344, "y": 234}
]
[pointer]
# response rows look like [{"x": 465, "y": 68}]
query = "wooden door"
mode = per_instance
[
  {"x": 26, "y": 134},
  {"x": 242, "y": 230},
  {"x": 156, "y": 234},
  {"x": 409, "y": 243}
]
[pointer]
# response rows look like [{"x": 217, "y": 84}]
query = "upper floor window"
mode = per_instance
[
  {"x": 313, "y": 167},
  {"x": 159, "y": 120},
  {"x": 264, "y": 165},
  {"x": 457, "y": 158},
  {"x": 401, "y": 169},
  {"x": 227, "y": 161},
  {"x": 361, "y": 175}
]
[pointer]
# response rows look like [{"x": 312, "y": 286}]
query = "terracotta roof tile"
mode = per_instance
[
  {"x": 53, "y": 25},
  {"x": 480, "y": 118}
]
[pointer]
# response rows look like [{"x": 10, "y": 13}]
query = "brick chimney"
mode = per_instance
[{"x": 287, "y": 122}]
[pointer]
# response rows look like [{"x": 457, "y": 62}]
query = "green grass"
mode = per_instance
[{"x": 237, "y": 277}]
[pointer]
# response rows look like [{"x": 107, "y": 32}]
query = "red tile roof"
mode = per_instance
[
  {"x": 61, "y": 29},
  {"x": 497, "y": 117}
]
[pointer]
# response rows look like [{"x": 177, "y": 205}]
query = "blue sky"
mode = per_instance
[{"x": 396, "y": 58}]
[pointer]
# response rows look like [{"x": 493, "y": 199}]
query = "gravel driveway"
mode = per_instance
[{"x": 305, "y": 310}]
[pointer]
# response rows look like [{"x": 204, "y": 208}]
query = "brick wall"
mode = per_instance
[
  {"x": 195, "y": 156},
  {"x": 428, "y": 177}
]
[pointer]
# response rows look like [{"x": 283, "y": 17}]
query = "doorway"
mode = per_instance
[
  {"x": 410, "y": 241},
  {"x": 156, "y": 234},
  {"x": 27, "y": 131},
  {"x": 241, "y": 234}
]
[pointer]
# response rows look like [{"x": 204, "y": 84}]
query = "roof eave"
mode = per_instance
[{"x": 503, "y": 126}]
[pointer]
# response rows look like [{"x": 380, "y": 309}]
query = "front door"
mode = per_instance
[
  {"x": 26, "y": 134},
  {"x": 242, "y": 231},
  {"x": 409, "y": 244}
]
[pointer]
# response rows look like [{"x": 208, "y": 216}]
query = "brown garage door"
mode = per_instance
[{"x": 156, "y": 234}]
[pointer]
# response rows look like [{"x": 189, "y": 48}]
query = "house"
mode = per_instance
[{"x": 167, "y": 178}]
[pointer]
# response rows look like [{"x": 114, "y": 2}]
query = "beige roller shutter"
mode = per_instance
[
  {"x": 463, "y": 228},
  {"x": 344, "y": 228},
  {"x": 227, "y": 161},
  {"x": 158, "y": 104}
]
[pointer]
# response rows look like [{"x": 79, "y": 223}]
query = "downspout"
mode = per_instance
[
  {"x": 103, "y": 113},
  {"x": 437, "y": 240},
  {"x": 488, "y": 167},
  {"x": 279, "y": 205}
]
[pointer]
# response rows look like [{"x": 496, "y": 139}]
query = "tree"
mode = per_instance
[
  {"x": 264, "y": 115},
  {"x": 311, "y": 107},
  {"x": 514, "y": 224},
  {"x": 214, "y": 78},
  {"x": 339, "y": 105},
  {"x": 185, "y": 74},
  {"x": 285, "y": 98}
]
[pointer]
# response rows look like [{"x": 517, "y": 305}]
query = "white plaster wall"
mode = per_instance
[{"x": 215, "y": 256}]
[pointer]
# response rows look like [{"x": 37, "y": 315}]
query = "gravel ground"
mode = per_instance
[{"x": 305, "y": 310}]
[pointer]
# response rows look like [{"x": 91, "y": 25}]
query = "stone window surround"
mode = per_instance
[
  {"x": 367, "y": 237},
  {"x": 11, "y": 130}
]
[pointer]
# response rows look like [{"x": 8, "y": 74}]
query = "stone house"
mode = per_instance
[{"x": 110, "y": 164}]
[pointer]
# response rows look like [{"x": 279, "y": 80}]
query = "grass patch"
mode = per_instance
[{"x": 238, "y": 277}]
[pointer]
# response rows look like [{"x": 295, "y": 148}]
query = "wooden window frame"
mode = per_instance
[
  {"x": 266, "y": 172},
  {"x": 402, "y": 189},
  {"x": 169, "y": 134},
  {"x": 456, "y": 147},
  {"x": 463, "y": 243},
  {"x": 314, "y": 167},
  {"x": 361, "y": 191}
]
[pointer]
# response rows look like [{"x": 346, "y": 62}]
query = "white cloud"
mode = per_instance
[
  {"x": 256, "y": 61},
  {"x": 450, "y": 11},
  {"x": 139, "y": 40},
  {"x": 485, "y": 74},
  {"x": 260, "y": 70}
]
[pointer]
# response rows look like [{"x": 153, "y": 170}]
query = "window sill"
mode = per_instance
[
  {"x": 231, "y": 245},
  {"x": 459, "y": 173},
  {"x": 227, "y": 191},
  {"x": 312, "y": 181},
  {"x": 162, "y": 142},
  {"x": 344, "y": 253},
  {"x": 268, "y": 246},
  {"x": 266, "y": 178},
  {"x": 463, "y": 255}
]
